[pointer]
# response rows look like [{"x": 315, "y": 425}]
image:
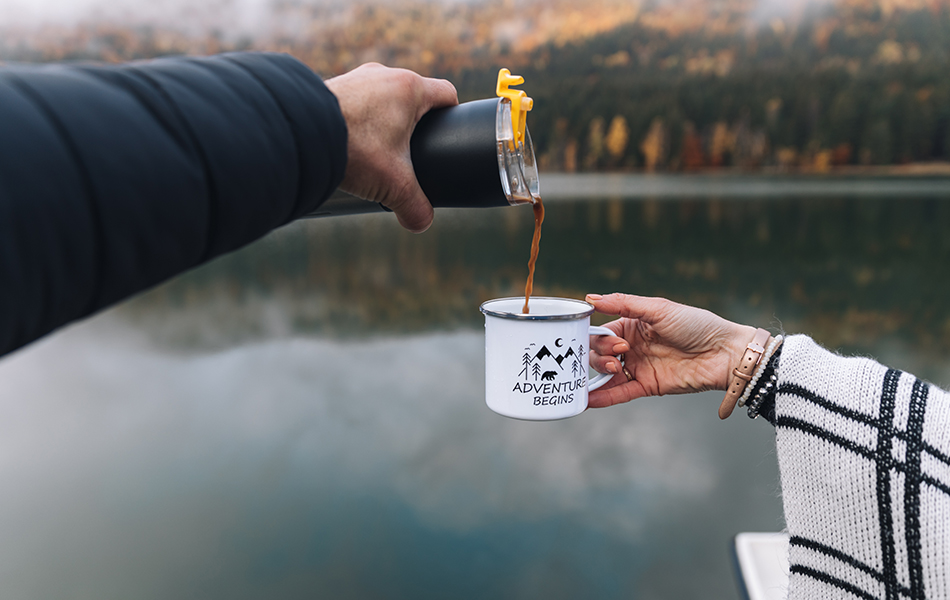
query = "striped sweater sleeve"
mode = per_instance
[{"x": 864, "y": 457}]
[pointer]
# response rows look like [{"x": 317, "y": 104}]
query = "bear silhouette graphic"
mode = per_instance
[{"x": 549, "y": 375}]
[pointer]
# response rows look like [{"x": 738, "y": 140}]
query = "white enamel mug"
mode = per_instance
[{"x": 537, "y": 364}]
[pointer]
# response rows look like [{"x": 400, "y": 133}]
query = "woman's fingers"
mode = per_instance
[
  {"x": 605, "y": 364},
  {"x": 617, "y": 391},
  {"x": 606, "y": 348},
  {"x": 649, "y": 310},
  {"x": 610, "y": 344}
]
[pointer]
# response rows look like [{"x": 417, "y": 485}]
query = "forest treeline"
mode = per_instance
[
  {"x": 860, "y": 88},
  {"x": 671, "y": 86}
]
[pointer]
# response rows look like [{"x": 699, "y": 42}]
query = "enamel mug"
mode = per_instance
[{"x": 537, "y": 365}]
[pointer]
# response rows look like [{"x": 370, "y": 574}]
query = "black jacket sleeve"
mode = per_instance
[{"x": 115, "y": 178}]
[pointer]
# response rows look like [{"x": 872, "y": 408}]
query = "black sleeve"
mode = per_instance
[{"x": 115, "y": 178}]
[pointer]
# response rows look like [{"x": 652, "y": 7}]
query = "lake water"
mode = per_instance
[{"x": 305, "y": 418}]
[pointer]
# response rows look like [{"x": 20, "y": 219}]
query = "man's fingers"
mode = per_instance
[
  {"x": 412, "y": 208},
  {"x": 381, "y": 107},
  {"x": 648, "y": 310},
  {"x": 437, "y": 93}
]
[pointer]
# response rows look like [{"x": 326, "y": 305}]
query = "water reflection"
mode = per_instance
[
  {"x": 861, "y": 274},
  {"x": 370, "y": 468},
  {"x": 305, "y": 418}
]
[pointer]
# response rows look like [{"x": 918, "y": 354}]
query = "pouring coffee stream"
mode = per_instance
[{"x": 535, "y": 246}]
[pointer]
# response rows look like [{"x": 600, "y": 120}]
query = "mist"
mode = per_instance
[
  {"x": 248, "y": 17},
  {"x": 235, "y": 17}
]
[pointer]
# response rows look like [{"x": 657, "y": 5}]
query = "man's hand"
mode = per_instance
[{"x": 381, "y": 107}]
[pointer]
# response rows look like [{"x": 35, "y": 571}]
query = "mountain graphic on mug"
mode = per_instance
[{"x": 545, "y": 365}]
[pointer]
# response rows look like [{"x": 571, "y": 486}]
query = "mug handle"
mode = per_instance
[{"x": 602, "y": 378}]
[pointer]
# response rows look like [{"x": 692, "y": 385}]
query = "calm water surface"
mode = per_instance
[{"x": 305, "y": 418}]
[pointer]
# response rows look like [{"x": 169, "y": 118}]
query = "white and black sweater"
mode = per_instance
[{"x": 864, "y": 456}]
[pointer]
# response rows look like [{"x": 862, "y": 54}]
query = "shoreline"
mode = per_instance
[{"x": 743, "y": 185}]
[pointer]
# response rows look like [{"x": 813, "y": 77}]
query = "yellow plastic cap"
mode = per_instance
[{"x": 520, "y": 103}]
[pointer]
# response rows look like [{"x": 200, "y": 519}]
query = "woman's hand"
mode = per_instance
[
  {"x": 674, "y": 349},
  {"x": 381, "y": 107}
]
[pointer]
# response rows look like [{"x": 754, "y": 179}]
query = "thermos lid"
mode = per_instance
[
  {"x": 478, "y": 154},
  {"x": 516, "y": 162}
]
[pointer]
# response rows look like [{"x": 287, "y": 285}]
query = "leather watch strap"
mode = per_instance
[{"x": 742, "y": 374}]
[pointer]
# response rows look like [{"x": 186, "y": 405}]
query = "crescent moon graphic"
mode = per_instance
[{"x": 558, "y": 341}]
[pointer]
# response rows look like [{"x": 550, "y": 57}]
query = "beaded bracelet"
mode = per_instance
[
  {"x": 766, "y": 392},
  {"x": 769, "y": 350}
]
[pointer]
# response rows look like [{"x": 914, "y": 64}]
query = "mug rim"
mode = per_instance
[{"x": 530, "y": 317}]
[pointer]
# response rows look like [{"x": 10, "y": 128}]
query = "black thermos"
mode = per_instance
[{"x": 467, "y": 156}]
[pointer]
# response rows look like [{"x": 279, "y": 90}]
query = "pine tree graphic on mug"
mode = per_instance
[{"x": 546, "y": 365}]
